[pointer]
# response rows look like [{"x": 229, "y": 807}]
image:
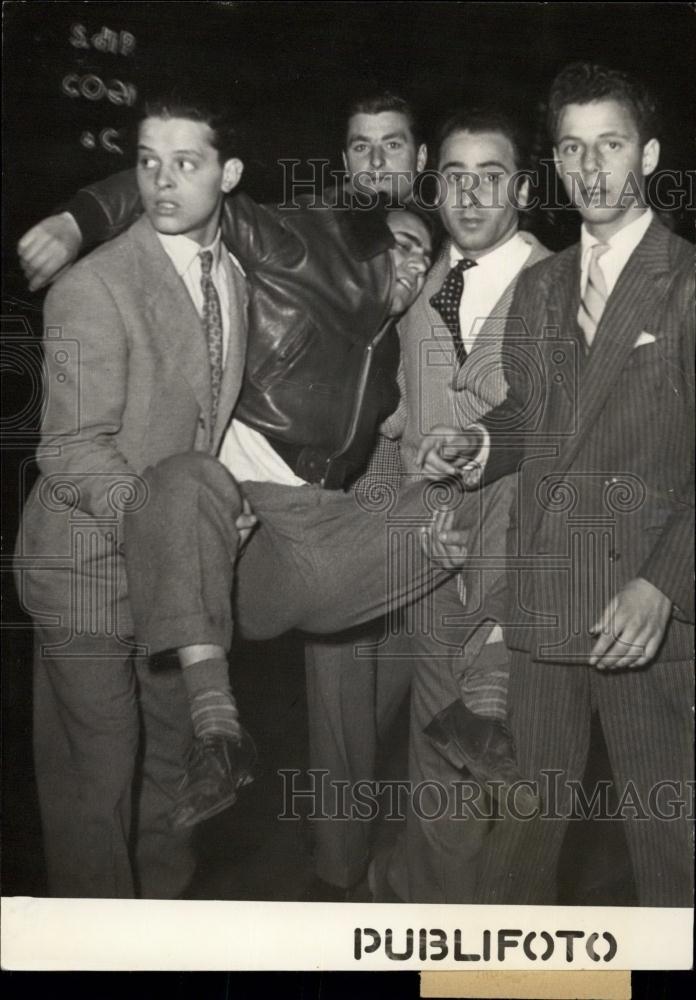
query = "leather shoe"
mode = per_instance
[
  {"x": 217, "y": 767},
  {"x": 483, "y": 747}
]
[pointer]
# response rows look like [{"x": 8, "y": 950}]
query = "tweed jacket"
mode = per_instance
[
  {"x": 127, "y": 384},
  {"x": 437, "y": 390}
]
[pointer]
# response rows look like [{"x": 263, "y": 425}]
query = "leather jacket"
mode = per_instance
[{"x": 322, "y": 352}]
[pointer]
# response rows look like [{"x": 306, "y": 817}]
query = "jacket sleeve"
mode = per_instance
[
  {"x": 670, "y": 566},
  {"x": 85, "y": 394},
  {"x": 395, "y": 424},
  {"x": 255, "y": 234},
  {"x": 506, "y": 423},
  {"x": 105, "y": 209}
]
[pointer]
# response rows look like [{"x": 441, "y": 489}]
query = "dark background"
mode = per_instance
[{"x": 293, "y": 68}]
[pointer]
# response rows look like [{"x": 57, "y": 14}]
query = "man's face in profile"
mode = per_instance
[
  {"x": 411, "y": 258},
  {"x": 181, "y": 178}
]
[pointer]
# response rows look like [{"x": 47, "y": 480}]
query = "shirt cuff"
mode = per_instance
[{"x": 473, "y": 470}]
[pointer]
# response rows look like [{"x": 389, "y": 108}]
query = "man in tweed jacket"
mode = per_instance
[{"x": 455, "y": 649}]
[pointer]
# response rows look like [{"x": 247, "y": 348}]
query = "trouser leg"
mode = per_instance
[
  {"x": 85, "y": 745},
  {"x": 549, "y": 711},
  {"x": 181, "y": 549},
  {"x": 164, "y": 856},
  {"x": 436, "y": 859},
  {"x": 326, "y": 563},
  {"x": 318, "y": 561},
  {"x": 647, "y": 720},
  {"x": 354, "y": 691},
  {"x": 342, "y": 741}
]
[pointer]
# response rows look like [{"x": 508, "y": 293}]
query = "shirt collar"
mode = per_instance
[
  {"x": 496, "y": 258},
  {"x": 182, "y": 250},
  {"x": 626, "y": 240}
]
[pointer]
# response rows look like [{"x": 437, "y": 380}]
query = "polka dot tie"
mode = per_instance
[
  {"x": 212, "y": 327},
  {"x": 447, "y": 301}
]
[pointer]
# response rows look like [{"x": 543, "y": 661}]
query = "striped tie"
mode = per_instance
[
  {"x": 595, "y": 297},
  {"x": 212, "y": 327}
]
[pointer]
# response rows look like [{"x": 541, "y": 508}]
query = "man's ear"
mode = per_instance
[
  {"x": 651, "y": 156},
  {"x": 231, "y": 175},
  {"x": 522, "y": 193},
  {"x": 421, "y": 158},
  {"x": 345, "y": 160}
]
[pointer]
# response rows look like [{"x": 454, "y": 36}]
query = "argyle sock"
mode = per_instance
[
  {"x": 213, "y": 708},
  {"x": 484, "y": 685}
]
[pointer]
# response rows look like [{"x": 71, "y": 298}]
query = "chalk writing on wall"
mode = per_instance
[{"x": 101, "y": 86}]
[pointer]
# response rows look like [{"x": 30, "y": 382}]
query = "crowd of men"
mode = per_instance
[{"x": 374, "y": 411}]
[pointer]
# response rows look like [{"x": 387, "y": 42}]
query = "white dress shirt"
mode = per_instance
[
  {"x": 621, "y": 246},
  {"x": 485, "y": 283},
  {"x": 184, "y": 254},
  {"x": 244, "y": 451}
]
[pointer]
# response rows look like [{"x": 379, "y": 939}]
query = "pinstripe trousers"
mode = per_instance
[{"x": 647, "y": 722}]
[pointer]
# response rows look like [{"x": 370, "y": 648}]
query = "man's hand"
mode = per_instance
[
  {"x": 446, "y": 450},
  {"x": 245, "y": 523},
  {"x": 48, "y": 249},
  {"x": 444, "y": 545},
  {"x": 631, "y": 627}
]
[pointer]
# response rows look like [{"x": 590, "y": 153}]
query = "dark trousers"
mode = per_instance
[
  {"x": 354, "y": 693},
  {"x": 318, "y": 560},
  {"x": 436, "y": 857},
  {"x": 646, "y": 717},
  {"x": 110, "y": 738}
]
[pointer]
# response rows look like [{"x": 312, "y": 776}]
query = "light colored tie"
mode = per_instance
[
  {"x": 595, "y": 297},
  {"x": 212, "y": 327}
]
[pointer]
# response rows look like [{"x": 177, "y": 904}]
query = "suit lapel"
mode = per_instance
[
  {"x": 494, "y": 325},
  {"x": 562, "y": 310},
  {"x": 641, "y": 284},
  {"x": 435, "y": 324},
  {"x": 172, "y": 313}
]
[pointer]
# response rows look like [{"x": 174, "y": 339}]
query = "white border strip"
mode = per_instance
[{"x": 93, "y": 934}]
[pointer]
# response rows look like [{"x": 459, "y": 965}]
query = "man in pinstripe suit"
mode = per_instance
[{"x": 599, "y": 422}]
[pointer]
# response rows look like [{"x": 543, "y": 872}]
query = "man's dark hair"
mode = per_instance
[
  {"x": 584, "y": 82},
  {"x": 375, "y": 102},
  {"x": 489, "y": 119},
  {"x": 199, "y": 107}
]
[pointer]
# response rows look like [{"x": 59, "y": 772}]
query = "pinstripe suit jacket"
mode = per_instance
[
  {"x": 127, "y": 384},
  {"x": 604, "y": 443}
]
